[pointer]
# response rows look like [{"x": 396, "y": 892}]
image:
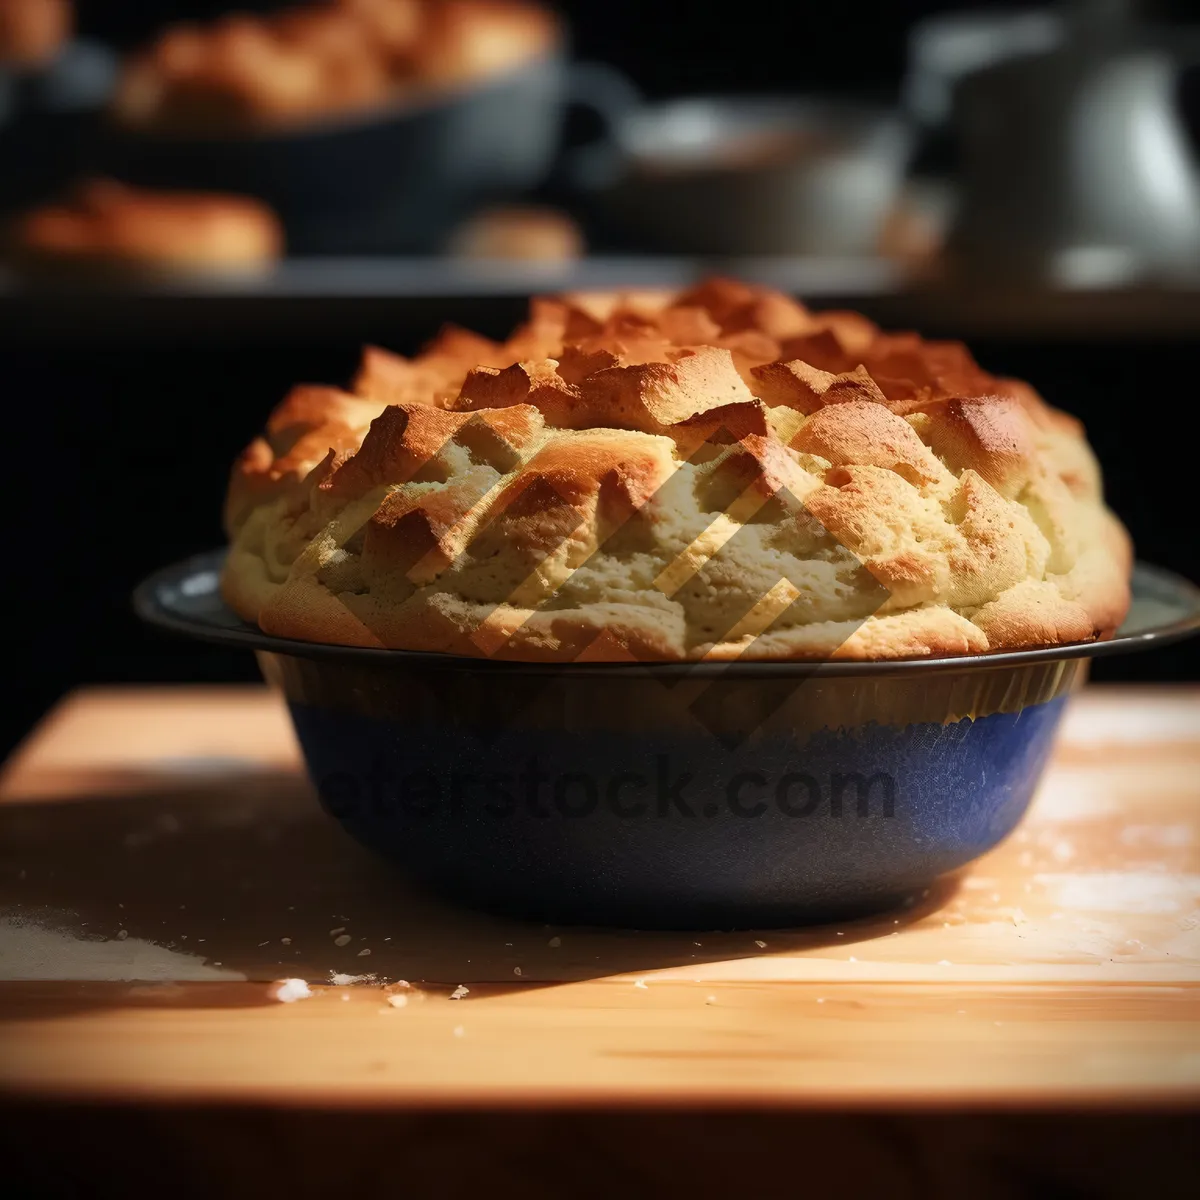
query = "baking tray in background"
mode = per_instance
[{"x": 335, "y": 300}]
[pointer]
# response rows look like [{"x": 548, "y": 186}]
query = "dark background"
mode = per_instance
[
  {"x": 669, "y": 46},
  {"x": 117, "y": 450}
]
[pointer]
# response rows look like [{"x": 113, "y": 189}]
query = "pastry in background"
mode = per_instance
[
  {"x": 395, "y": 25},
  {"x": 914, "y": 231},
  {"x": 108, "y": 227},
  {"x": 322, "y": 59},
  {"x": 533, "y": 234},
  {"x": 243, "y": 71},
  {"x": 33, "y": 31},
  {"x": 465, "y": 40}
]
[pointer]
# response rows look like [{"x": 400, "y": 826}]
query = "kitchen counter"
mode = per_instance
[{"x": 162, "y": 861}]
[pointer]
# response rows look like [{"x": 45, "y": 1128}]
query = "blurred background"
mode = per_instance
[{"x": 200, "y": 209}]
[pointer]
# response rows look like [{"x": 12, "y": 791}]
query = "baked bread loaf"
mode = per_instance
[
  {"x": 718, "y": 473},
  {"x": 108, "y": 226},
  {"x": 521, "y": 234},
  {"x": 33, "y": 31},
  {"x": 247, "y": 72}
]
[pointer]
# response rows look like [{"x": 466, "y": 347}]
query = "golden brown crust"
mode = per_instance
[
  {"x": 108, "y": 225},
  {"x": 323, "y": 59},
  {"x": 612, "y": 484}
]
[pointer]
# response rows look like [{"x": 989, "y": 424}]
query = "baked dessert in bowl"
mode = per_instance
[
  {"x": 680, "y": 609},
  {"x": 319, "y": 61},
  {"x": 371, "y": 126}
]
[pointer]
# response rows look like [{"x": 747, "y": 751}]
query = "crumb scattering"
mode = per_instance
[
  {"x": 460, "y": 991},
  {"x": 288, "y": 991}
]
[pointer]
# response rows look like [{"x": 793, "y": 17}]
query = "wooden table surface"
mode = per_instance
[{"x": 162, "y": 860}]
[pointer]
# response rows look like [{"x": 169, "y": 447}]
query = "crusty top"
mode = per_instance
[{"x": 718, "y": 473}]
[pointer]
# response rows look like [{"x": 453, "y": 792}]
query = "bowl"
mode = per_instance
[
  {"x": 394, "y": 179},
  {"x": 750, "y": 176},
  {"x": 671, "y": 795}
]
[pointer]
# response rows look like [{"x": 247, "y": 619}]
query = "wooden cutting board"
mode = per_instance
[{"x": 162, "y": 860}]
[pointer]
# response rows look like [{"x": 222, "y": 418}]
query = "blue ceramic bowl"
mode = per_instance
[{"x": 672, "y": 795}]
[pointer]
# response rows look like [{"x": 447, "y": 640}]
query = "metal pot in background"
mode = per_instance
[
  {"x": 1083, "y": 159},
  {"x": 744, "y": 176},
  {"x": 944, "y": 49}
]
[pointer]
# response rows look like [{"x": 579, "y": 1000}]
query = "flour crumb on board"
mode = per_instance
[
  {"x": 288, "y": 991},
  {"x": 398, "y": 1000},
  {"x": 460, "y": 991},
  {"x": 757, "y": 941},
  {"x": 342, "y": 940},
  {"x": 640, "y": 983},
  {"x": 340, "y": 979}
]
